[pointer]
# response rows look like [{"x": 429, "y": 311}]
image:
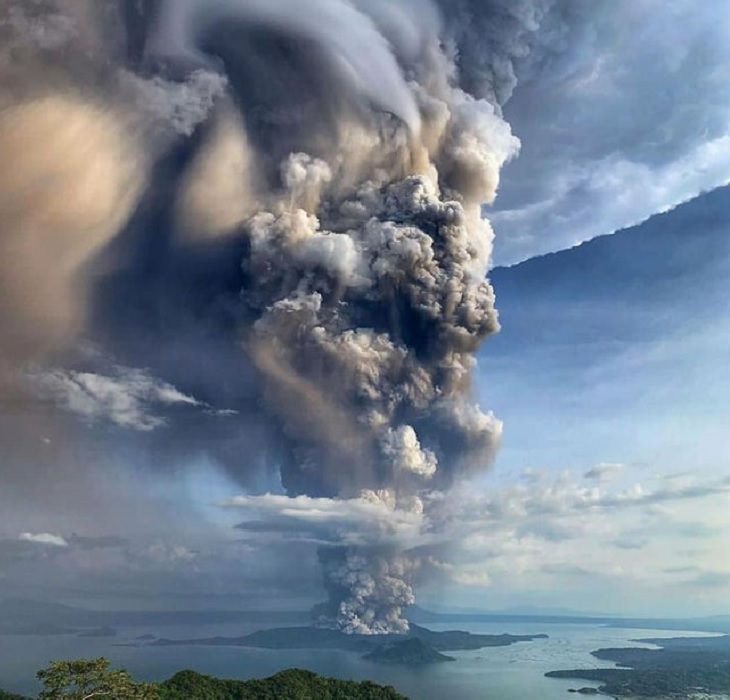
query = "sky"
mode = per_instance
[
  {"x": 622, "y": 112},
  {"x": 611, "y": 375},
  {"x": 148, "y": 462}
]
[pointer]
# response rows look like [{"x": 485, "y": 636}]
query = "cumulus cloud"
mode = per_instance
[
  {"x": 44, "y": 538},
  {"x": 551, "y": 528},
  {"x": 371, "y": 517},
  {"x": 566, "y": 496},
  {"x": 554, "y": 531}
]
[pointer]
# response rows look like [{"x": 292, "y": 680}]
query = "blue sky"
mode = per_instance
[{"x": 612, "y": 371}]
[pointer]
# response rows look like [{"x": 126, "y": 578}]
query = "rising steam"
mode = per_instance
[{"x": 310, "y": 239}]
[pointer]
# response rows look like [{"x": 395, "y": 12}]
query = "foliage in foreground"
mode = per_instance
[
  {"x": 294, "y": 684},
  {"x": 87, "y": 679},
  {"x": 96, "y": 680}
]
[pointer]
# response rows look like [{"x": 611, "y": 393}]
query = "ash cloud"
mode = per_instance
[
  {"x": 299, "y": 245},
  {"x": 127, "y": 398}
]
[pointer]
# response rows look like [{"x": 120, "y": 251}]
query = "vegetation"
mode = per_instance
[
  {"x": 87, "y": 679},
  {"x": 287, "y": 685},
  {"x": 95, "y": 680}
]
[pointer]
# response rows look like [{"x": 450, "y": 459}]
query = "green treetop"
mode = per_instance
[{"x": 91, "y": 680}]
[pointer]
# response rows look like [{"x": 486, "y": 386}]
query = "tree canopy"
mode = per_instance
[
  {"x": 91, "y": 680},
  {"x": 95, "y": 680}
]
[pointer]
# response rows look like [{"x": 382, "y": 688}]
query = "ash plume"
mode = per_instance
[
  {"x": 305, "y": 230},
  {"x": 372, "y": 588}
]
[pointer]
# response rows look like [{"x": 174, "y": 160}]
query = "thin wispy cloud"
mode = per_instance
[{"x": 129, "y": 398}]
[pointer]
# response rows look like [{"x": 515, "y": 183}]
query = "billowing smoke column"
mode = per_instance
[
  {"x": 368, "y": 275},
  {"x": 325, "y": 226},
  {"x": 369, "y": 589}
]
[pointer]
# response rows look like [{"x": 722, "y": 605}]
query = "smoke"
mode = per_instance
[
  {"x": 70, "y": 178},
  {"x": 359, "y": 54},
  {"x": 372, "y": 588},
  {"x": 306, "y": 250}
]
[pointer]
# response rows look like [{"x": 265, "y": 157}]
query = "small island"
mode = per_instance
[
  {"x": 683, "y": 667},
  {"x": 409, "y": 652}
]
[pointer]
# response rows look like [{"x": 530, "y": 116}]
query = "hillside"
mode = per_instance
[{"x": 294, "y": 684}]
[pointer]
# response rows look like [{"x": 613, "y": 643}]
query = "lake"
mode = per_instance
[{"x": 496, "y": 673}]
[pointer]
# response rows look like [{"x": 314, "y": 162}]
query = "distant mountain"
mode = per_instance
[
  {"x": 20, "y": 616},
  {"x": 21, "y": 611},
  {"x": 650, "y": 260},
  {"x": 718, "y": 624},
  {"x": 670, "y": 272},
  {"x": 553, "y": 612}
]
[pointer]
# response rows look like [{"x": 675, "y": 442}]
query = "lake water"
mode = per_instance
[{"x": 499, "y": 673}]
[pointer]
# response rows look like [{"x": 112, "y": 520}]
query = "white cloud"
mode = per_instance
[
  {"x": 43, "y": 538},
  {"x": 548, "y": 531},
  {"x": 551, "y": 533},
  {"x": 565, "y": 496},
  {"x": 128, "y": 397},
  {"x": 463, "y": 575},
  {"x": 373, "y": 517}
]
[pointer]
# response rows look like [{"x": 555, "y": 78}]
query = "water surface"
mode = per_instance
[{"x": 497, "y": 673}]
